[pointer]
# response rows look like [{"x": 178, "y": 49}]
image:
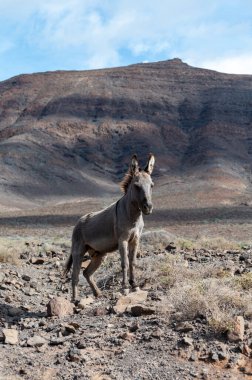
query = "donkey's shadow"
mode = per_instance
[{"x": 13, "y": 315}]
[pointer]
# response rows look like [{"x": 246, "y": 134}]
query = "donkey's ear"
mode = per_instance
[
  {"x": 150, "y": 164},
  {"x": 134, "y": 165}
]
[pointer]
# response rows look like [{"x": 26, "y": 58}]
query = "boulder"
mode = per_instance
[
  {"x": 126, "y": 302},
  {"x": 36, "y": 341},
  {"x": 10, "y": 336},
  {"x": 237, "y": 333},
  {"x": 59, "y": 307}
]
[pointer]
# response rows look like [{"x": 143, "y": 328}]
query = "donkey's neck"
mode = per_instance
[{"x": 131, "y": 208}]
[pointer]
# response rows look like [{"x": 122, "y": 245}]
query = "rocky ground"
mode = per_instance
[{"x": 140, "y": 336}]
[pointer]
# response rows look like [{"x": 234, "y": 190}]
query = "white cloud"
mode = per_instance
[
  {"x": 84, "y": 34},
  {"x": 240, "y": 64}
]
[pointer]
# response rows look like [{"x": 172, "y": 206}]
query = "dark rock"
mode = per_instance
[
  {"x": 37, "y": 260},
  {"x": 74, "y": 355},
  {"x": 184, "y": 327},
  {"x": 139, "y": 310},
  {"x": 170, "y": 247},
  {"x": 187, "y": 341},
  {"x": 25, "y": 277}
]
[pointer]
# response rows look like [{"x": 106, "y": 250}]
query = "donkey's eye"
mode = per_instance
[{"x": 137, "y": 185}]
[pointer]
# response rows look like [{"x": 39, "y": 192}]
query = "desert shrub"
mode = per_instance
[
  {"x": 185, "y": 244},
  {"x": 199, "y": 290},
  {"x": 244, "y": 281},
  {"x": 172, "y": 270},
  {"x": 9, "y": 255},
  {"x": 157, "y": 239},
  {"x": 217, "y": 243},
  {"x": 207, "y": 243}
]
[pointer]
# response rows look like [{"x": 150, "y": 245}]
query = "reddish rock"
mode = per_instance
[
  {"x": 237, "y": 333},
  {"x": 59, "y": 307}
]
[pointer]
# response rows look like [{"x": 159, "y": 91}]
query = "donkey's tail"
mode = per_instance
[{"x": 68, "y": 265}]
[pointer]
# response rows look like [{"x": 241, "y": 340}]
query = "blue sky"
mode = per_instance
[{"x": 87, "y": 34}]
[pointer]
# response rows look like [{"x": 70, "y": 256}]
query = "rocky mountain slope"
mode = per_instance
[{"x": 72, "y": 133}]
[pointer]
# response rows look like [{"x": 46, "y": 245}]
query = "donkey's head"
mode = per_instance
[{"x": 140, "y": 184}]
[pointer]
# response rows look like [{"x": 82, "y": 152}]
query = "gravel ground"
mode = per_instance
[{"x": 99, "y": 343}]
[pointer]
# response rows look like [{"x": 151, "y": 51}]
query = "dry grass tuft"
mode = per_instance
[
  {"x": 9, "y": 255},
  {"x": 199, "y": 290},
  {"x": 213, "y": 243},
  {"x": 156, "y": 239},
  {"x": 244, "y": 281}
]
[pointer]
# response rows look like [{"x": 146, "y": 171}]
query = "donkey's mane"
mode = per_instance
[{"x": 124, "y": 185}]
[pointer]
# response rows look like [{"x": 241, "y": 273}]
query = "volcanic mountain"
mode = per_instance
[{"x": 72, "y": 133}]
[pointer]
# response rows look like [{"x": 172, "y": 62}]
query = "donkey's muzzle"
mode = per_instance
[{"x": 147, "y": 208}]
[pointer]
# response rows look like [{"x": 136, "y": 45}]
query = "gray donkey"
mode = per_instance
[{"x": 119, "y": 226}]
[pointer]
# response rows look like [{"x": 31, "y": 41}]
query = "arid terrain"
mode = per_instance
[{"x": 66, "y": 139}]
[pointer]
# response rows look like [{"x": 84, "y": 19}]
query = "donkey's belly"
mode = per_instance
[{"x": 103, "y": 245}]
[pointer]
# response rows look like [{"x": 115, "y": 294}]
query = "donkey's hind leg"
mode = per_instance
[
  {"x": 97, "y": 259},
  {"x": 78, "y": 251}
]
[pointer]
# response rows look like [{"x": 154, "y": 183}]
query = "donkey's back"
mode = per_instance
[{"x": 97, "y": 230}]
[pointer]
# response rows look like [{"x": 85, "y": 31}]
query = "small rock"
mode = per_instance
[
  {"x": 74, "y": 355},
  {"x": 36, "y": 341},
  {"x": 205, "y": 374},
  {"x": 222, "y": 352},
  {"x": 214, "y": 356},
  {"x": 138, "y": 310},
  {"x": 237, "y": 334},
  {"x": 170, "y": 247},
  {"x": 11, "y": 336},
  {"x": 184, "y": 327},
  {"x": 85, "y": 302},
  {"x": 100, "y": 311},
  {"x": 2, "y": 337},
  {"x": 2, "y": 276},
  {"x": 82, "y": 344},
  {"x": 158, "y": 333},
  {"x": 134, "y": 327},
  {"x": 37, "y": 260},
  {"x": 127, "y": 336},
  {"x": 187, "y": 341},
  {"x": 57, "y": 341},
  {"x": 57, "y": 264},
  {"x": 59, "y": 307},
  {"x": 193, "y": 357},
  {"x": 7, "y": 299},
  {"x": 129, "y": 300},
  {"x": 246, "y": 350},
  {"x": 25, "y": 277},
  {"x": 69, "y": 329}
]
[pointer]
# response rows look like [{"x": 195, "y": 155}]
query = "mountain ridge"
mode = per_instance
[{"x": 68, "y": 133}]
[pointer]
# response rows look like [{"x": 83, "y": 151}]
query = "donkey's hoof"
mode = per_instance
[
  {"x": 98, "y": 295},
  {"x": 125, "y": 291},
  {"x": 136, "y": 289}
]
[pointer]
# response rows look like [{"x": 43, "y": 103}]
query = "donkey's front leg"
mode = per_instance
[
  {"x": 123, "y": 249},
  {"x": 133, "y": 248}
]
